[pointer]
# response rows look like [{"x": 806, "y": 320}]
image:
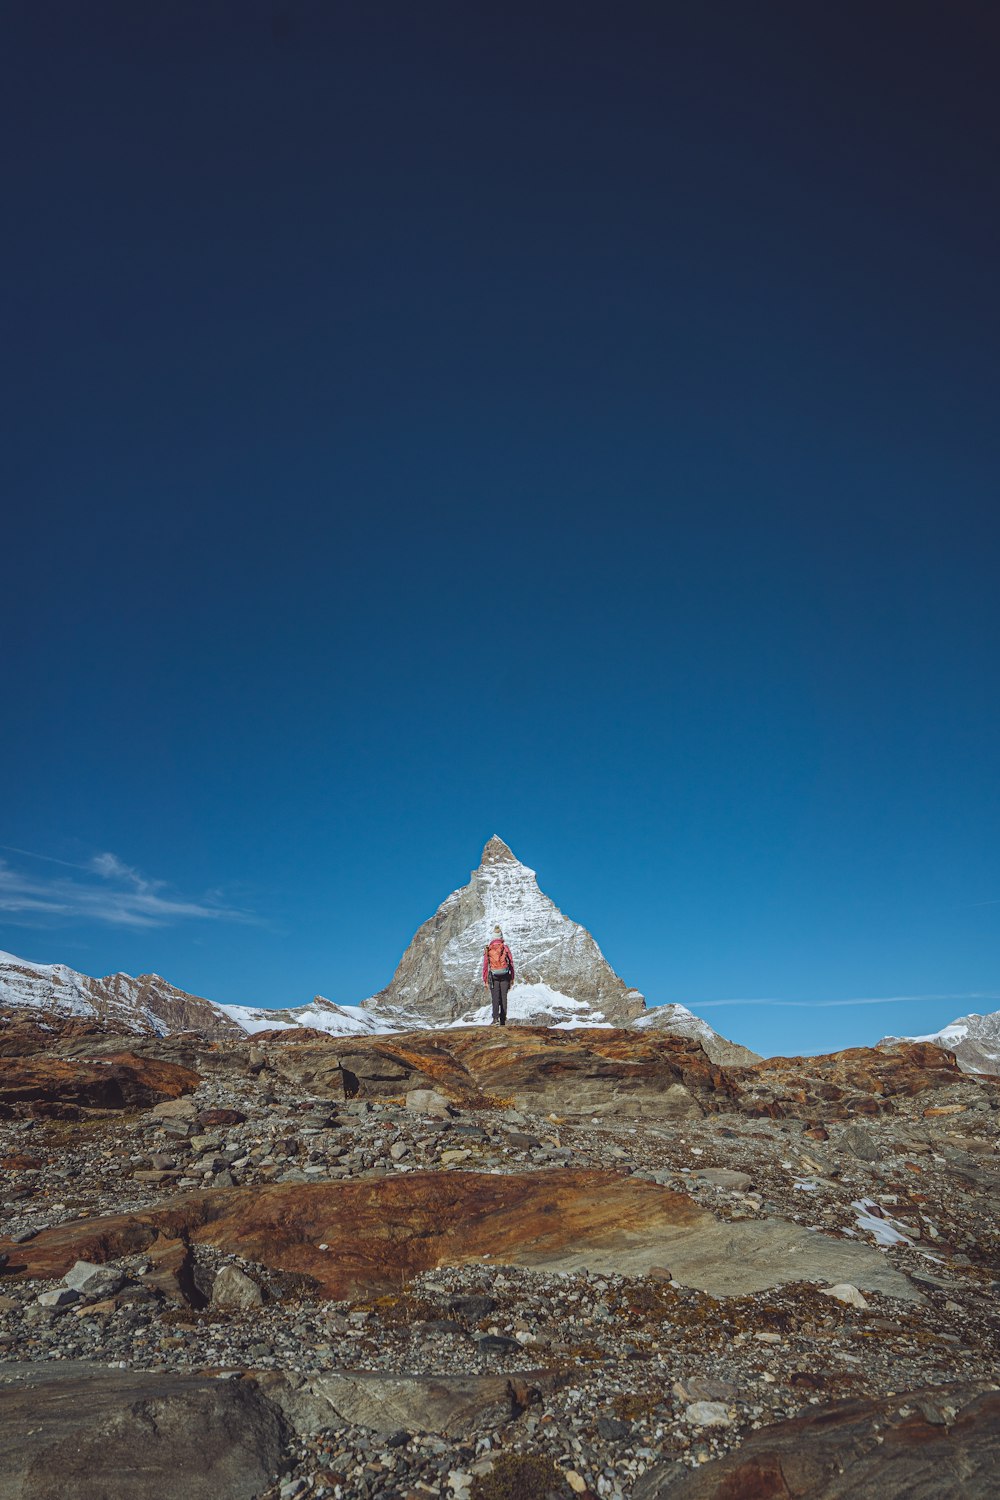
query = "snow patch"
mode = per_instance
[{"x": 539, "y": 1005}]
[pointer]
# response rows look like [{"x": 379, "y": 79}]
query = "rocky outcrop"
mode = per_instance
[
  {"x": 56, "y": 1087},
  {"x": 438, "y": 979},
  {"x": 679, "y": 1021},
  {"x": 351, "y": 1238},
  {"x": 839, "y": 1085},
  {"x": 586, "y": 1072},
  {"x": 938, "y": 1443}
]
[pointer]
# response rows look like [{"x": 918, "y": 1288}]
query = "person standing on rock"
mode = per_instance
[{"x": 498, "y": 974}]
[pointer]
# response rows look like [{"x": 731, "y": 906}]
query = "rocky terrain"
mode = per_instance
[{"x": 475, "y": 1262}]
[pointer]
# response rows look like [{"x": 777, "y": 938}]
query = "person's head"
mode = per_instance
[{"x": 497, "y": 935}]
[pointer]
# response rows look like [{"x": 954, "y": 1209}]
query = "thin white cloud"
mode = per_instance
[
  {"x": 106, "y": 890},
  {"x": 861, "y": 1000}
]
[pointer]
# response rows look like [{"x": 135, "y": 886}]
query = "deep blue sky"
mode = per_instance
[{"x": 573, "y": 422}]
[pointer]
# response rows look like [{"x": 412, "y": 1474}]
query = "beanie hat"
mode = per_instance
[{"x": 497, "y": 932}]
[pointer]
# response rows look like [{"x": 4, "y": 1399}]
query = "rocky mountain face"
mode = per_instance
[
  {"x": 974, "y": 1040},
  {"x": 439, "y": 976},
  {"x": 479, "y": 1263}
]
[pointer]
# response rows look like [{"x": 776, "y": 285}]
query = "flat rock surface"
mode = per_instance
[
  {"x": 376, "y": 1232},
  {"x": 86, "y": 1432}
]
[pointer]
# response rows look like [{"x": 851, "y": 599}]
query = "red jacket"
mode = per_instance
[{"x": 507, "y": 959}]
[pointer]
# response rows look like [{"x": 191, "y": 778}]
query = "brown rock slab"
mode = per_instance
[
  {"x": 378, "y": 1230},
  {"x": 60, "y": 1086},
  {"x": 81, "y": 1431},
  {"x": 937, "y": 1444}
]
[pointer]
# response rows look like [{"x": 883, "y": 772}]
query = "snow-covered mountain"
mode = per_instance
[
  {"x": 438, "y": 978},
  {"x": 975, "y": 1041},
  {"x": 150, "y": 1006},
  {"x": 147, "y": 1004}
]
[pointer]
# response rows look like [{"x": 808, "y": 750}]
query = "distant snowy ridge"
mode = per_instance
[
  {"x": 679, "y": 1021},
  {"x": 975, "y": 1041},
  {"x": 321, "y": 1015}
]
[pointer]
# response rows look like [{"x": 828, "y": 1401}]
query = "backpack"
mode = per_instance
[{"x": 497, "y": 956}]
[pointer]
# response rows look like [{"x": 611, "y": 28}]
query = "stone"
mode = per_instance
[
  {"x": 726, "y": 1178},
  {"x": 388, "y": 1403},
  {"x": 844, "y": 1292},
  {"x": 429, "y": 1102},
  {"x": 612, "y": 1429},
  {"x": 707, "y": 1414},
  {"x": 233, "y": 1288},
  {"x": 209, "y": 1118},
  {"x": 61, "y": 1296},
  {"x": 95, "y": 1281},
  {"x": 79, "y": 1431},
  {"x": 859, "y": 1142},
  {"x": 705, "y": 1388},
  {"x": 175, "y": 1109}
]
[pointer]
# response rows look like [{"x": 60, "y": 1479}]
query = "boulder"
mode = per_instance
[
  {"x": 233, "y": 1288},
  {"x": 81, "y": 1431}
]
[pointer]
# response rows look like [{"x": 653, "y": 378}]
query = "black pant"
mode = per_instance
[{"x": 499, "y": 985}]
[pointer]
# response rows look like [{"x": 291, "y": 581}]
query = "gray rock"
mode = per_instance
[
  {"x": 386, "y": 1403},
  {"x": 233, "y": 1288},
  {"x": 93, "y": 1281},
  {"x": 79, "y": 1431},
  {"x": 612, "y": 1429},
  {"x": 429, "y": 1102},
  {"x": 707, "y": 1414},
  {"x": 860, "y": 1143},
  {"x": 726, "y": 1178},
  {"x": 62, "y": 1296}
]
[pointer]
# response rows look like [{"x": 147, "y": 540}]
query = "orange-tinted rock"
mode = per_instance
[
  {"x": 378, "y": 1230},
  {"x": 58, "y": 1087},
  {"x": 24, "y": 1033}
]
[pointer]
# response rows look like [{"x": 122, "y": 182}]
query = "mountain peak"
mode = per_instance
[{"x": 497, "y": 852}]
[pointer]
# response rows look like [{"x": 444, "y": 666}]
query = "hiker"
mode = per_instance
[{"x": 498, "y": 975}]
